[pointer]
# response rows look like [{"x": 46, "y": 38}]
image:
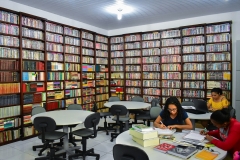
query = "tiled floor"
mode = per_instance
[{"x": 22, "y": 150}]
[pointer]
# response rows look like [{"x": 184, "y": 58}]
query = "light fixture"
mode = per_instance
[{"x": 119, "y": 14}]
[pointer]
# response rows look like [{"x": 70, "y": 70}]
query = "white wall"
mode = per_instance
[
  {"x": 50, "y": 16},
  {"x": 231, "y": 16}
]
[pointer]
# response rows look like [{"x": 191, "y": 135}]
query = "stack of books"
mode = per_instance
[{"x": 144, "y": 135}]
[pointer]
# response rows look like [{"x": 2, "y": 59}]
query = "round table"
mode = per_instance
[
  {"x": 129, "y": 104},
  {"x": 65, "y": 118},
  {"x": 126, "y": 138},
  {"x": 193, "y": 117}
]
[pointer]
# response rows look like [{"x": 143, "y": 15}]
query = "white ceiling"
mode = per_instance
[{"x": 93, "y": 12}]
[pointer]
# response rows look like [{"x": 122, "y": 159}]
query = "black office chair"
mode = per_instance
[
  {"x": 151, "y": 115},
  {"x": 124, "y": 152},
  {"x": 119, "y": 110},
  {"x": 72, "y": 139},
  {"x": 46, "y": 126},
  {"x": 90, "y": 122},
  {"x": 137, "y": 111},
  {"x": 103, "y": 115},
  {"x": 232, "y": 112},
  {"x": 37, "y": 110}
]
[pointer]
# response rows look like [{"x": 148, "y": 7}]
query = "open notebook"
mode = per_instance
[
  {"x": 194, "y": 136},
  {"x": 165, "y": 131}
]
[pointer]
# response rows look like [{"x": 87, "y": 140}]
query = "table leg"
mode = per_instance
[
  {"x": 65, "y": 140},
  {"x": 193, "y": 123}
]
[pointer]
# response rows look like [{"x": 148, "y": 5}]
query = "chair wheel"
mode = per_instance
[
  {"x": 111, "y": 140},
  {"x": 39, "y": 154},
  {"x": 107, "y": 133},
  {"x": 33, "y": 148}
]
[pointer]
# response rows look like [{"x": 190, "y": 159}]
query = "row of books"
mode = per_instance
[
  {"x": 101, "y": 46},
  {"x": 33, "y": 55},
  {"x": 102, "y": 97},
  {"x": 171, "y": 83},
  {"x": 152, "y": 59},
  {"x": 55, "y": 76},
  {"x": 72, "y": 41},
  {"x": 9, "y": 41},
  {"x": 101, "y": 90},
  {"x": 9, "y": 76},
  {"x": 101, "y": 39},
  {"x": 9, "y": 135},
  {"x": 100, "y": 53},
  {"x": 88, "y": 60},
  {"x": 9, "y": 29},
  {"x": 133, "y": 60},
  {"x": 133, "y": 53},
  {"x": 149, "y": 36},
  {"x": 87, "y": 35},
  {"x": 170, "y": 67},
  {"x": 193, "y": 49},
  {"x": 86, "y": 43},
  {"x": 7, "y": 100},
  {"x": 194, "y": 93},
  {"x": 133, "y": 76},
  {"x": 192, "y": 31},
  {"x": 150, "y": 44},
  {"x": 88, "y": 91},
  {"x": 117, "y": 61},
  {"x": 9, "y": 123},
  {"x": 71, "y": 32},
  {"x": 29, "y": 131},
  {"x": 148, "y": 98},
  {"x": 9, "y": 52},
  {"x": 31, "y": 22},
  {"x": 133, "y": 90},
  {"x": 32, "y": 33},
  {"x": 32, "y": 44},
  {"x": 54, "y": 28},
  {"x": 9, "y": 17},
  {"x": 128, "y": 68},
  {"x": 33, "y": 87},
  {"x": 9, "y": 111},
  {"x": 72, "y": 58},
  {"x": 101, "y": 61},
  {"x": 54, "y": 95},
  {"x": 224, "y": 37},
  {"x": 54, "y": 47},
  {"x": 72, "y": 84},
  {"x": 152, "y": 91},
  {"x": 132, "y": 38},
  {"x": 72, "y": 67},
  {"x": 151, "y": 67},
  {"x": 193, "y": 40},
  {"x": 149, "y": 75},
  {"x": 54, "y": 37}
]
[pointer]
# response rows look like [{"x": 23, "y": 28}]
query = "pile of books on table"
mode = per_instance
[{"x": 144, "y": 135}]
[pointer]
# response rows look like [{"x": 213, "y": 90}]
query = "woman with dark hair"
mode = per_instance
[
  {"x": 173, "y": 116},
  {"x": 228, "y": 132},
  {"x": 217, "y": 100}
]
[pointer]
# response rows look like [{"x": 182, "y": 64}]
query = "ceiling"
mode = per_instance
[{"x": 93, "y": 12}]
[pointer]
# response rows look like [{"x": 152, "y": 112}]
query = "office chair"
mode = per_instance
[
  {"x": 124, "y": 152},
  {"x": 137, "y": 111},
  {"x": 103, "y": 115},
  {"x": 232, "y": 112},
  {"x": 119, "y": 110},
  {"x": 37, "y": 110},
  {"x": 90, "y": 122},
  {"x": 46, "y": 126},
  {"x": 72, "y": 139},
  {"x": 113, "y": 99},
  {"x": 151, "y": 115}
]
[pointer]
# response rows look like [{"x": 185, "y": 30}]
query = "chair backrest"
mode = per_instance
[
  {"x": 155, "y": 102},
  {"x": 155, "y": 111},
  {"x": 92, "y": 121},
  {"x": 118, "y": 110},
  {"x": 187, "y": 103},
  {"x": 137, "y": 99},
  {"x": 232, "y": 112},
  {"x": 37, "y": 110},
  {"x": 113, "y": 99},
  {"x": 74, "y": 107},
  {"x": 44, "y": 124},
  {"x": 124, "y": 152}
]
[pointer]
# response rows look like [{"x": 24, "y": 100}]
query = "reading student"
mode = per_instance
[
  {"x": 173, "y": 116},
  {"x": 217, "y": 101},
  {"x": 227, "y": 133}
]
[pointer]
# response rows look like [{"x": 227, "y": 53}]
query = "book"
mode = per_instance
[
  {"x": 142, "y": 127},
  {"x": 194, "y": 136},
  {"x": 170, "y": 137},
  {"x": 183, "y": 151},
  {"x": 164, "y": 147},
  {"x": 143, "y": 135},
  {"x": 147, "y": 142},
  {"x": 165, "y": 131},
  {"x": 206, "y": 155}
]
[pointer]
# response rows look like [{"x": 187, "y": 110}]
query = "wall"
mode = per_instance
[
  {"x": 231, "y": 16},
  {"x": 237, "y": 93},
  {"x": 50, "y": 16}
]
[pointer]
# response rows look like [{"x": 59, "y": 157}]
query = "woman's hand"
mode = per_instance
[
  {"x": 203, "y": 132},
  {"x": 172, "y": 127},
  {"x": 209, "y": 138},
  {"x": 162, "y": 126}
]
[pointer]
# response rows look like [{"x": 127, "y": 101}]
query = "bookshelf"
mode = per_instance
[
  {"x": 88, "y": 70},
  {"x": 10, "y": 77},
  {"x": 117, "y": 70},
  {"x": 102, "y": 70},
  {"x": 133, "y": 67},
  {"x": 72, "y": 66},
  {"x": 32, "y": 47}
]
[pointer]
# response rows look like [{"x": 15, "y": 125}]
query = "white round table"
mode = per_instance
[
  {"x": 129, "y": 104},
  {"x": 126, "y": 138},
  {"x": 193, "y": 117},
  {"x": 65, "y": 118}
]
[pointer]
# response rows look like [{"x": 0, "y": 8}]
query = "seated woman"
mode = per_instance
[
  {"x": 216, "y": 102},
  {"x": 173, "y": 116},
  {"x": 227, "y": 133}
]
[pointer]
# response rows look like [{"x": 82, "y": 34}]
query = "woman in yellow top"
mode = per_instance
[{"x": 217, "y": 101}]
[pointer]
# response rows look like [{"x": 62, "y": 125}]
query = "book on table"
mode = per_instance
[
  {"x": 165, "y": 131},
  {"x": 164, "y": 147},
  {"x": 206, "y": 155},
  {"x": 142, "y": 127},
  {"x": 194, "y": 136},
  {"x": 146, "y": 142},
  {"x": 143, "y": 135},
  {"x": 182, "y": 151}
]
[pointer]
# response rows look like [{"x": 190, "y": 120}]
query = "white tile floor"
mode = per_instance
[{"x": 22, "y": 150}]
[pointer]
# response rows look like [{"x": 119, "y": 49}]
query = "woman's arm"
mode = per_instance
[
  {"x": 158, "y": 123},
  {"x": 209, "y": 104},
  {"x": 225, "y": 102},
  {"x": 187, "y": 125}
]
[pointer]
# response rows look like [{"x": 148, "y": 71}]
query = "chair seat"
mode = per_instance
[
  {"x": 51, "y": 136},
  {"x": 83, "y": 132},
  {"x": 102, "y": 114},
  {"x": 144, "y": 116},
  {"x": 122, "y": 119}
]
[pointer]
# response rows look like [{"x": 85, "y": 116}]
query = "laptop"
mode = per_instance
[{"x": 200, "y": 107}]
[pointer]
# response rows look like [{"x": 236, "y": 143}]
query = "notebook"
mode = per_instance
[
  {"x": 194, "y": 136},
  {"x": 165, "y": 131},
  {"x": 206, "y": 155}
]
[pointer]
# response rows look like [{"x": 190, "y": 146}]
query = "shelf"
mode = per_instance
[
  {"x": 35, "y": 39},
  {"x": 54, "y": 32},
  {"x": 11, "y": 35},
  {"x": 9, "y": 46},
  {"x": 25, "y": 26},
  {"x": 34, "y": 49}
]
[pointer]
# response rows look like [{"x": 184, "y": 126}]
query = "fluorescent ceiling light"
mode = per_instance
[{"x": 114, "y": 9}]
